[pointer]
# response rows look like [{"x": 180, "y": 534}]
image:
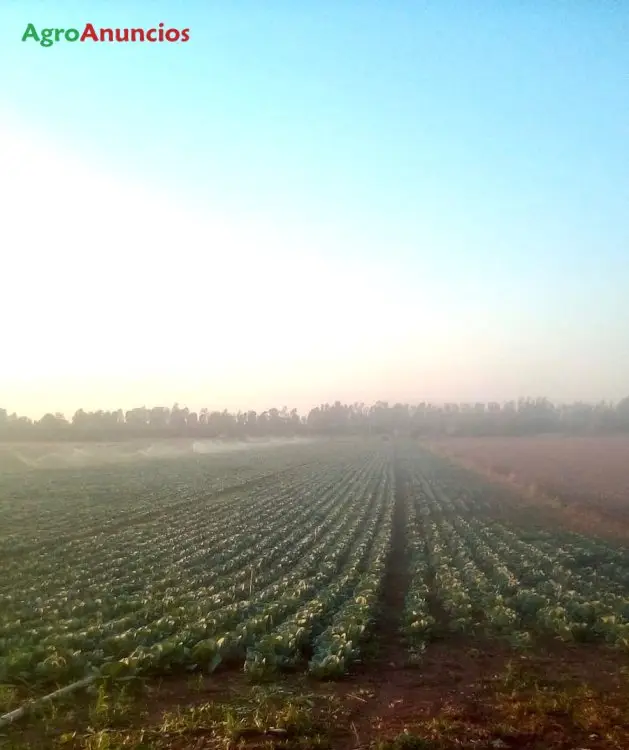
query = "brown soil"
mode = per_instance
[
  {"x": 582, "y": 481},
  {"x": 465, "y": 694},
  {"x": 462, "y": 685},
  {"x": 390, "y": 651}
]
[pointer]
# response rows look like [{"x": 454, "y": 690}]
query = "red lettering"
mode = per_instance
[
  {"x": 89, "y": 32},
  {"x": 132, "y": 35}
]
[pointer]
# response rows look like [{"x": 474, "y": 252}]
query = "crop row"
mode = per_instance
[
  {"x": 474, "y": 572},
  {"x": 274, "y": 567}
]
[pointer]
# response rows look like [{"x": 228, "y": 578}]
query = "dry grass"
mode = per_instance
[{"x": 581, "y": 481}]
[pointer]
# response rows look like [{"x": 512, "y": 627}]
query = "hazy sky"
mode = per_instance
[{"x": 314, "y": 200}]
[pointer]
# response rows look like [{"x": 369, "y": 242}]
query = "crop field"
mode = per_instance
[{"x": 384, "y": 582}]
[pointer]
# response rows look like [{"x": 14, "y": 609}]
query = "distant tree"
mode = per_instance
[
  {"x": 159, "y": 418},
  {"x": 622, "y": 413},
  {"x": 527, "y": 416},
  {"x": 137, "y": 419}
]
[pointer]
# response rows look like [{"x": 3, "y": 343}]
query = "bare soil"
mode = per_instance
[
  {"x": 585, "y": 479},
  {"x": 390, "y": 652},
  {"x": 465, "y": 694}
]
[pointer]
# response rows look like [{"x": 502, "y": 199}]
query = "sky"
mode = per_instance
[{"x": 314, "y": 201}]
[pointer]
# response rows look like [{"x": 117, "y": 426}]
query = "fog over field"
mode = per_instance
[{"x": 25, "y": 456}]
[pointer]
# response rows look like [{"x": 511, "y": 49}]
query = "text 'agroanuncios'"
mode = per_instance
[{"x": 89, "y": 33}]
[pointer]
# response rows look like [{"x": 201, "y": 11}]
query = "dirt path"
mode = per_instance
[
  {"x": 387, "y": 693},
  {"x": 391, "y": 651},
  {"x": 384, "y": 678}
]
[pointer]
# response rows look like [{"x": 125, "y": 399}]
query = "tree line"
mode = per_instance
[{"x": 526, "y": 416}]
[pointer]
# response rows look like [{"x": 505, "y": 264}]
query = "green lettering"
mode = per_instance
[
  {"x": 30, "y": 33},
  {"x": 75, "y": 35},
  {"x": 46, "y": 40}
]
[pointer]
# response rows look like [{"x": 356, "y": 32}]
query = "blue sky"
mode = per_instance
[{"x": 465, "y": 165}]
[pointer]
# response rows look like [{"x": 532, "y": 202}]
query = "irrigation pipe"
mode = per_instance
[{"x": 18, "y": 713}]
